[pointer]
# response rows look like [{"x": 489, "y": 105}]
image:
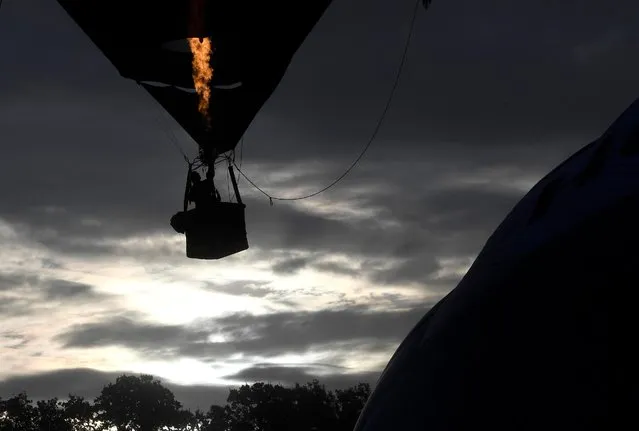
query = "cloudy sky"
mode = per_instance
[{"x": 93, "y": 281}]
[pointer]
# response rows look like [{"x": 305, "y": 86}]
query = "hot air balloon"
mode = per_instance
[
  {"x": 523, "y": 342},
  {"x": 211, "y": 64}
]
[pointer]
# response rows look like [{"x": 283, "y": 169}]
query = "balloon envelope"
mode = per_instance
[
  {"x": 254, "y": 42},
  {"x": 523, "y": 341}
]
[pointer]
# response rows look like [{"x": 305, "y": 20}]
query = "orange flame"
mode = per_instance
[{"x": 202, "y": 73}]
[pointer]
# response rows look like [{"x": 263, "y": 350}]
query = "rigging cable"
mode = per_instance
[
  {"x": 228, "y": 186},
  {"x": 162, "y": 121},
  {"x": 375, "y": 130},
  {"x": 241, "y": 156}
]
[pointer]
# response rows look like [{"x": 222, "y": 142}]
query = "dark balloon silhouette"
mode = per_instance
[
  {"x": 213, "y": 90},
  {"x": 523, "y": 342},
  {"x": 142, "y": 403},
  {"x": 253, "y": 44},
  {"x": 250, "y": 46}
]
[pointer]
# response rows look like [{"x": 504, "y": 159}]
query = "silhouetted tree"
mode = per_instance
[
  {"x": 262, "y": 406},
  {"x": 316, "y": 406},
  {"x": 350, "y": 403},
  {"x": 143, "y": 404},
  {"x": 18, "y": 414},
  {"x": 50, "y": 416},
  {"x": 188, "y": 421},
  {"x": 138, "y": 403},
  {"x": 80, "y": 414},
  {"x": 193, "y": 421},
  {"x": 216, "y": 419}
]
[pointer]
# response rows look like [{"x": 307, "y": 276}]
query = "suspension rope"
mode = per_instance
[
  {"x": 173, "y": 138},
  {"x": 161, "y": 120},
  {"x": 375, "y": 130},
  {"x": 228, "y": 186},
  {"x": 241, "y": 156}
]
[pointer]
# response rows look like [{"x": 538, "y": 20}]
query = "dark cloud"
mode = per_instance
[
  {"x": 125, "y": 331},
  {"x": 289, "y": 228},
  {"x": 289, "y": 375},
  {"x": 282, "y": 332},
  {"x": 88, "y": 383},
  {"x": 22, "y": 293},
  {"x": 290, "y": 266},
  {"x": 401, "y": 242},
  {"x": 13, "y": 307},
  {"x": 276, "y": 373},
  {"x": 451, "y": 208},
  {"x": 437, "y": 226},
  {"x": 292, "y": 229},
  {"x": 13, "y": 340},
  {"x": 49, "y": 263},
  {"x": 336, "y": 268},
  {"x": 16, "y": 294},
  {"x": 408, "y": 271},
  {"x": 287, "y": 263},
  {"x": 266, "y": 335},
  {"x": 82, "y": 382},
  {"x": 483, "y": 74},
  {"x": 13, "y": 280},
  {"x": 253, "y": 288},
  {"x": 65, "y": 290}
]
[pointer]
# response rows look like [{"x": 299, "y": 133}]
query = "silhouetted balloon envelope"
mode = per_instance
[
  {"x": 523, "y": 341},
  {"x": 253, "y": 44}
]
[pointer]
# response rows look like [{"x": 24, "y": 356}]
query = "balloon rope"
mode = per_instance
[
  {"x": 371, "y": 139},
  {"x": 163, "y": 123}
]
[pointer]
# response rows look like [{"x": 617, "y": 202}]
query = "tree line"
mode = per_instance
[{"x": 142, "y": 403}]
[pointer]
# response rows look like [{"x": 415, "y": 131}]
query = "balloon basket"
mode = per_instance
[{"x": 215, "y": 233}]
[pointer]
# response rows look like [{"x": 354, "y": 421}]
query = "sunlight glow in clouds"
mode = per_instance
[
  {"x": 187, "y": 371},
  {"x": 168, "y": 291}
]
